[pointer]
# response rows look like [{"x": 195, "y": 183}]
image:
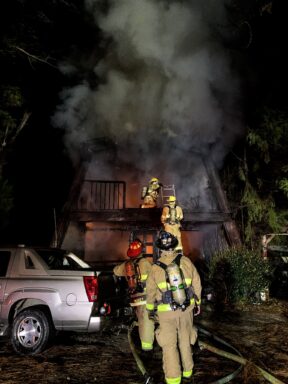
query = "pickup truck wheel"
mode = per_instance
[{"x": 31, "y": 331}]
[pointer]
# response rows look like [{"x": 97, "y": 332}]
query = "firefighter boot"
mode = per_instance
[{"x": 188, "y": 380}]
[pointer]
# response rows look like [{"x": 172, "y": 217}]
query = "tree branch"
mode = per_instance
[
  {"x": 22, "y": 124},
  {"x": 35, "y": 57}
]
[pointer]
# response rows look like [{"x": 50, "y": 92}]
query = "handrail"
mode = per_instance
[{"x": 101, "y": 195}]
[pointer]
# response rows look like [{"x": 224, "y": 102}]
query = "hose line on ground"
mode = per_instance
[
  {"x": 237, "y": 358},
  {"x": 232, "y": 375},
  {"x": 231, "y": 356},
  {"x": 149, "y": 379},
  {"x": 139, "y": 362}
]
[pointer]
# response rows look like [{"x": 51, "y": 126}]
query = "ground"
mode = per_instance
[{"x": 258, "y": 332}]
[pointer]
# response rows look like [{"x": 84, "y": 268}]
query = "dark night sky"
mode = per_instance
[
  {"x": 41, "y": 174},
  {"x": 38, "y": 165}
]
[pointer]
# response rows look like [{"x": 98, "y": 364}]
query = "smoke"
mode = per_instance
[{"x": 166, "y": 96}]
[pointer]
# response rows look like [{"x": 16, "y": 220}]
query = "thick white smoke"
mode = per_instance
[{"x": 166, "y": 96}]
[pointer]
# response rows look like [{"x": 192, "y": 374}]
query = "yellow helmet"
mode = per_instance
[
  {"x": 171, "y": 199},
  {"x": 154, "y": 180}
]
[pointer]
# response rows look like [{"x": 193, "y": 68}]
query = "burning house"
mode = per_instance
[
  {"x": 161, "y": 100},
  {"x": 102, "y": 215}
]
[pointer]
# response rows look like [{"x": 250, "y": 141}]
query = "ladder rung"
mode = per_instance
[{"x": 166, "y": 191}]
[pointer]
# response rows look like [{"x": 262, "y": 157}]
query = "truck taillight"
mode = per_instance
[{"x": 91, "y": 286}]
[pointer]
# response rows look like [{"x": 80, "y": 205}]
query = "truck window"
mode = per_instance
[
  {"x": 56, "y": 259},
  {"x": 29, "y": 263},
  {"x": 4, "y": 261}
]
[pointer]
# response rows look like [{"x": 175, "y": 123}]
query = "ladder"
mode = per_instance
[{"x": 166, "y": 191}]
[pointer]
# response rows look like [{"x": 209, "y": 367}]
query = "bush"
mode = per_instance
[{"x": 238, "y": 275}]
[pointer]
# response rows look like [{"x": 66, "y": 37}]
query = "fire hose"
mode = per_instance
[
  {"x": 148, "y": 379},
  {"x": 203, "y": 345},
  {"x": 238, "y": 358}
]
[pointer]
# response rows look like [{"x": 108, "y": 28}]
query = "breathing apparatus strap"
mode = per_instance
[
  {"x": 176, "y": 261},
  {"x": 167, "y": 296},
  {"x": 139, "y": 284},
  {"x": 168, "y": 221}
]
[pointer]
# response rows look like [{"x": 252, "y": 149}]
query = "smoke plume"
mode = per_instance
[{"x": 166, "y": 95}]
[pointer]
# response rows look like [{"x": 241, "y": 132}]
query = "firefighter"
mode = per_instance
[
  {"x": 136, "y": 270},
  {"x": 150, "y": 193},
  {"x": 173, "y": 292},
  {"x": 171, "y": 217}
]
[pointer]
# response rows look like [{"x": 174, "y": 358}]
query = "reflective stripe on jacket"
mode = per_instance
[{"x": 156, "y": 282}]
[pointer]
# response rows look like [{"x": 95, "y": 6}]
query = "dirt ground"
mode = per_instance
[{"x": 258, "y": 332}]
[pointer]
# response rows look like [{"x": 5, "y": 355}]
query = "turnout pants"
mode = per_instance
[
  {"x": 175, "y": 335},
  {"x": 145, "y": 327}
]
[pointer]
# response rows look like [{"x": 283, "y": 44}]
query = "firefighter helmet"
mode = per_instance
[
  {"x": 171, "y": 199},
  {"x": 154, "y": 180},
  {"x": 166, "y": 241},
  {"x": 135, "y": 248}
]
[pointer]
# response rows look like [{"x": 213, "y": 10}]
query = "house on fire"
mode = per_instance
[{"x": 102, "y": 214}]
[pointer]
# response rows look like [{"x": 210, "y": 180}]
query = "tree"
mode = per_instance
[
  {"x": 11, "y": 125},
  {"x": 35, "y": 38},
  {"x": 260, "y": 168}
]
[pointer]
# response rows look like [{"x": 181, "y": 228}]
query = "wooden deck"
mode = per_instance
[{"x": 151, "y": 217}]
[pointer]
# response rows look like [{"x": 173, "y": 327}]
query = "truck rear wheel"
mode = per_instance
[{"x": 31, "y": 331}]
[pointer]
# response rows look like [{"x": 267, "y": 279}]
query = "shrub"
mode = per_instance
[{"x": 238, "y": 275}]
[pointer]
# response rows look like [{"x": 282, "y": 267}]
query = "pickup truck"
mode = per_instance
[{"x": 44, "y": 290}]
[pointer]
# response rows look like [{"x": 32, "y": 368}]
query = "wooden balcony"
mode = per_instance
[
  {"x": 146, "y": 217},
  {"x": 101, "y": 201}
]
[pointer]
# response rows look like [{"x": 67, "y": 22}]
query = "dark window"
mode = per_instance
[
  {"x": 57, "y": 259},
  {"x": 29, "y": 263},
  {"x": 4, "y": 261}
]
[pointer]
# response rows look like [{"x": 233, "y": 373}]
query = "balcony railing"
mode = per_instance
[{"x": 98, "y": 195}]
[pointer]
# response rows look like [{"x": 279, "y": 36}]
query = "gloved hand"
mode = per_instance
[{"x": 197, "y": 310}]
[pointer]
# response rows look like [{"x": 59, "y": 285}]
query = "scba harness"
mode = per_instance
[
  {"x": 136, "y": 282},
  {"x": 179, "y": 295},
  {"x": 133, "y": 276},
  {"x": 172, "y": 219}
]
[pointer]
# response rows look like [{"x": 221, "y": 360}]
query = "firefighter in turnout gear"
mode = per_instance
[
  {"x": 174, "y": 293},
  {"x": 171, "y": 217},
  {"x": 150, "y": 193},
  {"x": 136, "y": 270}
]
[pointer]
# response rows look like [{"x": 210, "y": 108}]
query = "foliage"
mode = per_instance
[
  {"x": 12, "y": 119},
  {"x": 260, "y": 169},
  {"x": 11, "y": 101},
  {"x": 239, "y": 274},
  {"x": 260, "y": 210},
  {"x": 283, "y": 186},
  {"x": 34, "y": 41}
]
